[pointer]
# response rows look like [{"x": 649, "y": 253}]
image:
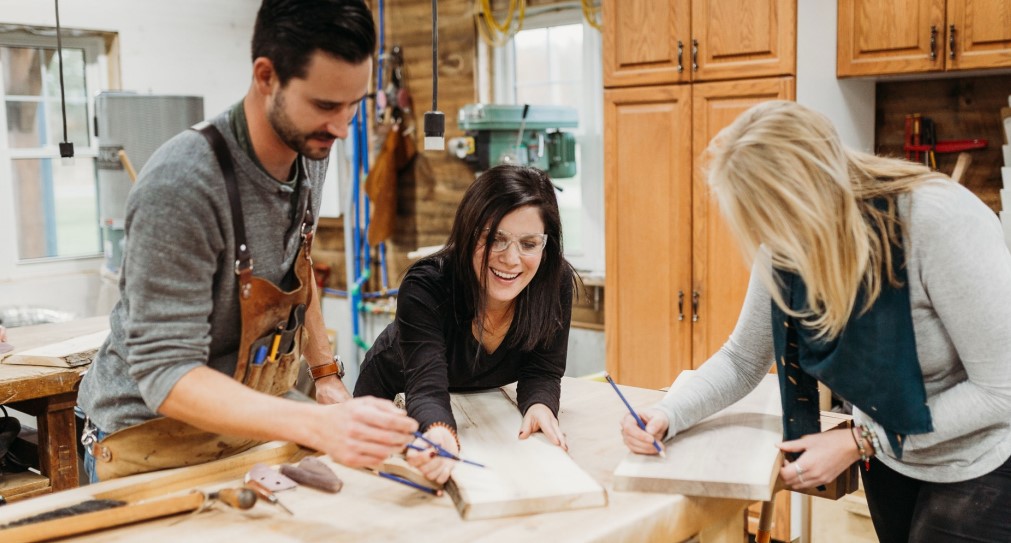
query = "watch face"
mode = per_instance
[{"x": 340, "y": 366}]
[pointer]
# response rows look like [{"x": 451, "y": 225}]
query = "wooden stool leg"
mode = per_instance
[{"x": 764, "y": 533}]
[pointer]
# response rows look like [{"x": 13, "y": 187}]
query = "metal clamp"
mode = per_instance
[
  {"x": 681, "y": 305},
  {"x": 695, "y": 306},
  {"x": 681, "y": 52},
  {"x": 695, "y": 55}
]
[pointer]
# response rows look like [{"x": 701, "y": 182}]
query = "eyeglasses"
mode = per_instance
[{"x": 526, "y": 244}]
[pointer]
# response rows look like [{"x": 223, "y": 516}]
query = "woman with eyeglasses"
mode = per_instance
[{"x": 491, "y": 308}]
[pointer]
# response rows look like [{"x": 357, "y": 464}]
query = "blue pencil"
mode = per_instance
[
  {"x": 408, "y": 482},
  {"x": 442, "y": 452},
  {"x": 634, "y": 414}
]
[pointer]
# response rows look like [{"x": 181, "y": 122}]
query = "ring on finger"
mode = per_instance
[{"x": 800, "y": 472}]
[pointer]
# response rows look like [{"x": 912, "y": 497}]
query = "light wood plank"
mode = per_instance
[
  {"x": 522, "y": 476},
  {"x": 70, "y": 353},
  {"x": 731, "y": 454}
]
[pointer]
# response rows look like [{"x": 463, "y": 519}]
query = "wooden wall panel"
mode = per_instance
[
  {"x": 963, "y": 108},
  {"x": 429, "y": 193}
]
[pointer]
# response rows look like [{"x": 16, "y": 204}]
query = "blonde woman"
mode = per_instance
[{"x": 892, "y": 285}]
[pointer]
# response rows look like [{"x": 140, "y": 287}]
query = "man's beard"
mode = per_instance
[{"x": 290, "y": 135}]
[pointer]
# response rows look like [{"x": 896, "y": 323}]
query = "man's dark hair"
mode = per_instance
[
  {"x": 537, "y": 317},
  {"x": 288, "y": 32}
]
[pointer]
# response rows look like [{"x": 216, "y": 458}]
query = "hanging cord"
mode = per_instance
[
  {"x": 591, "y": 13},
  {"x": 435, "y": 120},
  {"x": 66, "y": 147},
  {"x": 493, "y": 33},
  {"x": 435, "y": 56}
]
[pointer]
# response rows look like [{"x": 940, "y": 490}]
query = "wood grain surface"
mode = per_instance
[
  {"x": 69, "y": 353},
  {"x": 370, "y": 508},
  {"x": 521, "y": 477},
  {"x": 731, "y": 454}
]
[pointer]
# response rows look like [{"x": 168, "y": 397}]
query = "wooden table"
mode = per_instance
[
  {"x": 49, "y": 394},
  {"x": 373, "y": 509}
]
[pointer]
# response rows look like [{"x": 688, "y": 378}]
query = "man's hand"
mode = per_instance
[
  {"x": 641, "y": 441},
  {"x": 823, "y": 457},
  {"x": 362, "y": 432},
  {"x": 540, "y": 417},
  {"x": 435, "y": 468},
  {"x": 3, "y": 334},
  {"x": 330, "y": 390}
]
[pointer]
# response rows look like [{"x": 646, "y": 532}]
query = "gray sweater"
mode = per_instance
[
  {"x": 960, "y": 293},
  {"x": 179, "y": 305}
]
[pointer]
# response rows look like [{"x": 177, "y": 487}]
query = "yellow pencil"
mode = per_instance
[{"x": 273, "y": 348}]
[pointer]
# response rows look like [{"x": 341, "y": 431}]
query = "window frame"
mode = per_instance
[
  {"x": 96, "y": 77},
  {"x": 589, "y": 135}
]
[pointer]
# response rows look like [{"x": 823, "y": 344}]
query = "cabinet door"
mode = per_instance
[
  {"x": 744, "y": 38},
  {"x": 647, "y": 195},
  {"x": 641, "y": 41},
  {"x": 720, "y": 274},
  {"x": 982, "y": 34},
  {"x": 890, "y": 36}
]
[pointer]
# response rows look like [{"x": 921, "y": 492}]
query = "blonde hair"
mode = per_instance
[{"x": 784, "y": 181}]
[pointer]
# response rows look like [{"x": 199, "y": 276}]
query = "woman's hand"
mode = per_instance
[
  {"x": 641, "y": 441},
  {"x": 540, "y": 417},
  {"x": 823, "y": 457},
  {"x": 434, "y": 467},
  {"x": 331, "y": 390}
]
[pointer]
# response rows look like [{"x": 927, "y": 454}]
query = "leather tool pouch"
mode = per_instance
[{"x": 163, "y": 443}]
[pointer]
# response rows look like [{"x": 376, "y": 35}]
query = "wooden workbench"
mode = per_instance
[
  {"x": 49, "y": 394},
  {"x": 373, "y": 509}
]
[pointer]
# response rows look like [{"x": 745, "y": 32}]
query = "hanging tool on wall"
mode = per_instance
[{"x": 921, "y": 137}]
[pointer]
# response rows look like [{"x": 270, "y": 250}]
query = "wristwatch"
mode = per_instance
[{"x": 334, "y": 367}]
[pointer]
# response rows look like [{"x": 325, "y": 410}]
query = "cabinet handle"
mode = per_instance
[
  {"x": 933, "y": 42},
  {"x": 951, "y": 42},
  {"x": 681, "y": 305},
  {"x": 695, "y": 53},
  {"x": 695, "y": 306},
  {"x": 681, "y": 52}
]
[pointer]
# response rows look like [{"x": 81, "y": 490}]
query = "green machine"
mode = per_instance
[{"x": 524, "y": 134}]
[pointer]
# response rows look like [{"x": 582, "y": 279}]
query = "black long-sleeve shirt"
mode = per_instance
[{"x": 428, "y": 352}]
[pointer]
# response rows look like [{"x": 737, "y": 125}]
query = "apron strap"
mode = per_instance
[{"x": 243, "y": 257}]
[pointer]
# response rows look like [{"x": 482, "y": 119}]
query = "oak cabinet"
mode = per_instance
[
  {"x": 675, "y": 278},
  {"x": 882, "y": 37},
  {"x": 656, "y": 42}
]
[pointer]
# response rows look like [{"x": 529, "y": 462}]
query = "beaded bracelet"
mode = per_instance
[
  {"x": 451, "y": 431},
  {"x": 868, "y": 433},
  {"x": 861, "y": 449}
]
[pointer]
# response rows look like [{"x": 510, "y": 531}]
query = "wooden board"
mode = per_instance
[
  {"x": 731, "y": 454},
  {"x": 522, "y": 476},
  {"x": 73, "y": 352},
  {"x": 370, "y": 508}
]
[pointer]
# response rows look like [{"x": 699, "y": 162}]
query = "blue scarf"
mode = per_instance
[{"x": 872, "y": 363}]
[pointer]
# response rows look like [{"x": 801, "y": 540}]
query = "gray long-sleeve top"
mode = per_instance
[
  {"x": 179, "y": 305},
  {"x": 960, "y": 293}
]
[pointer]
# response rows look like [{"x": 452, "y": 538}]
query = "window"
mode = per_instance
[
  {"x": 555, "y": 60},
  {"x": 48, "y": 204}
]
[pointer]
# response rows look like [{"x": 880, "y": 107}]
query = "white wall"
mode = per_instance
[
  {"x": 189, "y": 47},
  {"x": 849, "y": 103}
]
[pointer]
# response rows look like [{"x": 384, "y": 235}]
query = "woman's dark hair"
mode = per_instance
[
  {"x": 288, "y": 32},
  {"x": 537, "y": 315}
]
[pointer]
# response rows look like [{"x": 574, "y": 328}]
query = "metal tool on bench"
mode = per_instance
[{"x": 266, "y": 494}]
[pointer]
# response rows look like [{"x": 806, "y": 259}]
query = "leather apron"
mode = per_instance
[{"x": 269, "y": 315}]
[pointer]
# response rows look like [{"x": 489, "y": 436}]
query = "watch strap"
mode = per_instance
[{"x": 326, "y": 370}]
